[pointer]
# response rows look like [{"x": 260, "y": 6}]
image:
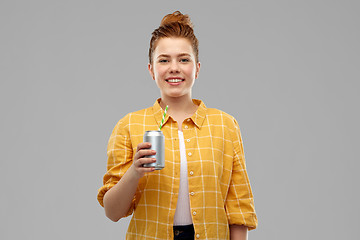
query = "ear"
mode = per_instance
[
  {"x": 197, "y": 70},
  {"x": 151, "y": 71}
]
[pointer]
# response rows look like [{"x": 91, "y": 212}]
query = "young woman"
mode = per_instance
[{"x": 204, "y": 191}]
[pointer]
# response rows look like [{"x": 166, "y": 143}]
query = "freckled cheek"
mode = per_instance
[
  {"x": 190, "y": 72},
  {"x": 159, "y": 73}
]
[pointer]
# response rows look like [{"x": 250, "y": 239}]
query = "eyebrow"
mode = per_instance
[{"x": 180, "y": 55}]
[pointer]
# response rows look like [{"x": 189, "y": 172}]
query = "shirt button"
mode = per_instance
[
  {"x": 194, "y": 213},
  {"x": 188, "y": 140},
  {"x": 191, "y": 173},
  {"x": 186, "y": 127},
  {"x": 189, "y": 154},
  {"x": 197, "y": 235},
  {"x": 192, "y": 193}
]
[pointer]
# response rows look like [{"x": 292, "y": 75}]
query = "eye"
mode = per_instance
[
  {"x": 163, "y": 60},
  {"x": 184, "y": 60}
]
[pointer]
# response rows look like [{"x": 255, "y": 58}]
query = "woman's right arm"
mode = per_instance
[{"x": 118, "y": 199}]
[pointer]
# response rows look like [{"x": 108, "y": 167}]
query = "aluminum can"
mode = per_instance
[{"x": 157, "y": 140}]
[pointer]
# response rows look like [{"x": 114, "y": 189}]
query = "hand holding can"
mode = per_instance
[{"x": 143, "y": 150}]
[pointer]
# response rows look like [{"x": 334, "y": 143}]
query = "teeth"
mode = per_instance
[{"x": 174, "y": 80}]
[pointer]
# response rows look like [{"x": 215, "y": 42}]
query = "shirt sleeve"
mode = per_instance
[
  {"x": 239, "y": 203},
  {"x": 120, "y": 155}
]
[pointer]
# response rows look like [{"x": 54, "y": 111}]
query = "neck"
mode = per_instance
[
  {"x": 180, "y": 108},
  {"x": 178, "y": 105}
]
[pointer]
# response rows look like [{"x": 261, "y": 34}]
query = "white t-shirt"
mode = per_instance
[{"x": 182, "y": 213}]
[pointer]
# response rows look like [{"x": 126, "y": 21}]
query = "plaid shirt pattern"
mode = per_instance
[{"x": 219, "y": 187}]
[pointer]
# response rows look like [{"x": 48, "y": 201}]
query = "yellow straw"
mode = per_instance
[{"x": 163, "y": 119}]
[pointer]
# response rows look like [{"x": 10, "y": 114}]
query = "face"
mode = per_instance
[{"x": 174, "y": 67}]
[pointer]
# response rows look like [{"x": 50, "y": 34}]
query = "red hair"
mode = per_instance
[{"x": 174, "y": 25}]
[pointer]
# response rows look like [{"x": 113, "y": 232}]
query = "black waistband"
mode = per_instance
[{"x": 184, "y": 232}]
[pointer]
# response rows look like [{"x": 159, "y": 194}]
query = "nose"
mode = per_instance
[{"x": 174, "y": 67}]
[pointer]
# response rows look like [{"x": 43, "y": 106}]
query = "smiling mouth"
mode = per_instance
[{"x": 176, "y": 80}]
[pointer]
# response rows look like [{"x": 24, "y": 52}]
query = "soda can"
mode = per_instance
[{"x": 157, "y": 140}]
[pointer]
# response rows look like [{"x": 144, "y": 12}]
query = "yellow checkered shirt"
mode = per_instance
[{"x": 219, "y": 188}]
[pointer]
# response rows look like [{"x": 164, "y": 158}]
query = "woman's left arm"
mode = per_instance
[{"x": 238, "y": 232}]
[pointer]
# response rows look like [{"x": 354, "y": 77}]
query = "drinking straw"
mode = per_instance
[{"x": 163, "y": 119}]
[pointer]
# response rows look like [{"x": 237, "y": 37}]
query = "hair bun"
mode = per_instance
[
  {"x": 174, "y": 25},
  {"x": 176, "y": 17}
]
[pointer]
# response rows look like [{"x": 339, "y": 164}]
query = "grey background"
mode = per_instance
[{"x": 287, "y": 70}]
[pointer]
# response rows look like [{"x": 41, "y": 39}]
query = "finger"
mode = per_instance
[
  {"x": 141, "y": 161},
  {"x": 143, "y": 145},
  {"x": 144, "y": 152},
  {"x": 145, "y": 170}
]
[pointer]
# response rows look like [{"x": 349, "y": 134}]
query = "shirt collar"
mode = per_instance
[{"x": 198, "y": 117}]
